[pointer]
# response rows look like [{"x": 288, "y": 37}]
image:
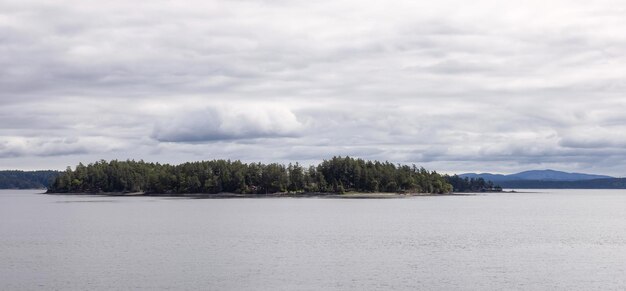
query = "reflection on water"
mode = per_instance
[{"x": 566, "y": 240}]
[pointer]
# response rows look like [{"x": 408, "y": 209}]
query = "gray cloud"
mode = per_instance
[
  {"x": 452, "y": 85},
  {"x": 228, "y": 123},
  {"x": 39, "y": 147}
]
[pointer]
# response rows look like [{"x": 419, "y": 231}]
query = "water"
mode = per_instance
[{"x": 564, "y": 240}]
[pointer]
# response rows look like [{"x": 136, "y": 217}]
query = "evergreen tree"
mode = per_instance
[{"x": 339, "y": 175}]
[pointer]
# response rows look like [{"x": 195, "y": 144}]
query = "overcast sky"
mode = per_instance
[{"x": 454, "y": 86}]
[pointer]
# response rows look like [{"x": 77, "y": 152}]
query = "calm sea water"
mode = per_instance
[{"x": 566, "y": 240}]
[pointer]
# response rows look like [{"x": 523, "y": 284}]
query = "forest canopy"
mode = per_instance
[
  {"x": 465, "y": 184},
  {"x": 336, "y": 175},
  {"x": 15, "y": 179}
]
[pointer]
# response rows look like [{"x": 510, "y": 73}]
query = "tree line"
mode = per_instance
[
  {"x": 15, "y": 179},
  {"x": 336, "y": 175},
  {"x": 466, "y": 184}
]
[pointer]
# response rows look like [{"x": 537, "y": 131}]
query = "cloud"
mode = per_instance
[
  {"x": 452, "y": 85},
  {"x": 46, "y": 147},
  {"x": 228, "y": 123},
  {"x": 594, "y": 137}
]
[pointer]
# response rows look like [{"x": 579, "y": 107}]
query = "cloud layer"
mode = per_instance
[
  {"x": 451, "y": 85},
  {"x": 228, "y": 123}
]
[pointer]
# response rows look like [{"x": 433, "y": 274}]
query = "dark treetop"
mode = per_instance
[
  {"x": 337, "y": 175},
  {"x": 465, "y": 184},
  {"x": 15, "y": 179}
]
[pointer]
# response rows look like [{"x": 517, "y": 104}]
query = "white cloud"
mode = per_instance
[
  {"x": 453, "y": 85},
  {"x": 228, "y": 123},
  {"x": 16, "y": 146}
]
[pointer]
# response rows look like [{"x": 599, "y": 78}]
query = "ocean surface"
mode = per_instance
[{"x": 553, "y": 240}]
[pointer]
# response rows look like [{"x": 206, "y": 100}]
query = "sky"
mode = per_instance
[{"x": 454, "y": 86}]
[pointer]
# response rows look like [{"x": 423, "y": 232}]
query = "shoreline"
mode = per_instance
[{"x": 226, "y": 195}]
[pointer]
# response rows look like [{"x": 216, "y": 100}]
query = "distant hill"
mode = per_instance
[
  {"x": 551, "y": 179},
  {"x": 26, "y": 179},
  {"x": 613, "y": 183},
  {"x": 536, "y": 175}
]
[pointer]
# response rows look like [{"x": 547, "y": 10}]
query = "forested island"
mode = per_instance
[
  {"x": 15, "y": 179},
  {"x": 338, "y": 175},
  {"x": 465, "y": 184}
]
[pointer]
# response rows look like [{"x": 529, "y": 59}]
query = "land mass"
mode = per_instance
[
  {"x": 14, "y": 179},
  {"x": 339, "y": 175},
  {"x": 347, "y": 195},
  {"x": 536, "y": 175},
  {"x": 612, "y": 183},
  {"x": 551, "y": 179},
  {"x": 344, "y": 176}
]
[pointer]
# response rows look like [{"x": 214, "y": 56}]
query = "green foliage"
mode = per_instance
[
  {"x": 336, "y": 175},
  {"x": 26, "y": 179},
  {"x": 471, "y": 185}
]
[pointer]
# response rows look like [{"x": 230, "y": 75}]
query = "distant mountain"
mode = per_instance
[
  {"x": 552, "y": 175},
  {"x": 613, "y": 183},
  {"x": 536, "y": 175}
]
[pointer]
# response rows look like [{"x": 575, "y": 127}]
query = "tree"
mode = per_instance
[{"x": 339, "y": 174}]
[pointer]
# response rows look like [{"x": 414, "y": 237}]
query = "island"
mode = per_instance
[
  {"x": 16, "y": 179},
  {"x": 225, "y": 178}
]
